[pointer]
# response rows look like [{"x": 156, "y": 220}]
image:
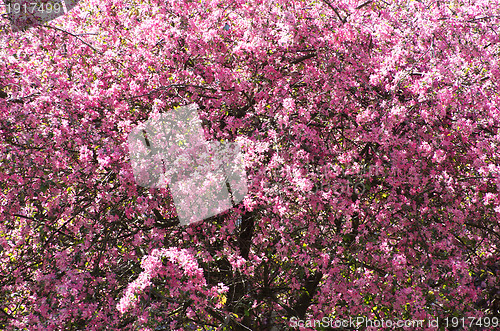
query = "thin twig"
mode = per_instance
[
  {"x": 335, "y": 10},
  {"x": 303, "y": 58},
  {"x": 364, "y": 4},
  {"x": 76, "y": 36}
]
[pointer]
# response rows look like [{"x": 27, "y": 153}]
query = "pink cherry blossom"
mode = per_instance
[{"x": 323, "y": 98}]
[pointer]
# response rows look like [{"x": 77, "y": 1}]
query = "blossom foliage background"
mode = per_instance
[{"x": 400, "y": 97}]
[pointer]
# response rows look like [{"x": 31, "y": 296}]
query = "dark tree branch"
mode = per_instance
[
  {"x": 343, "y": 20},
  {"x": 303, "y": 58},
  {"x": 162, "y": 222},
  {"x": 308, "y": 291},
  {"x": 246, "y": 234},
  {"x": 364, "y": 4}
]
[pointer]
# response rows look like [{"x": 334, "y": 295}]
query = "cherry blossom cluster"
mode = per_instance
[{"x": 369, "y": 131}]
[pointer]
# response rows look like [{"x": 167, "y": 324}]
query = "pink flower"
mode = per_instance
[{"x": 439, "y": 156}]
